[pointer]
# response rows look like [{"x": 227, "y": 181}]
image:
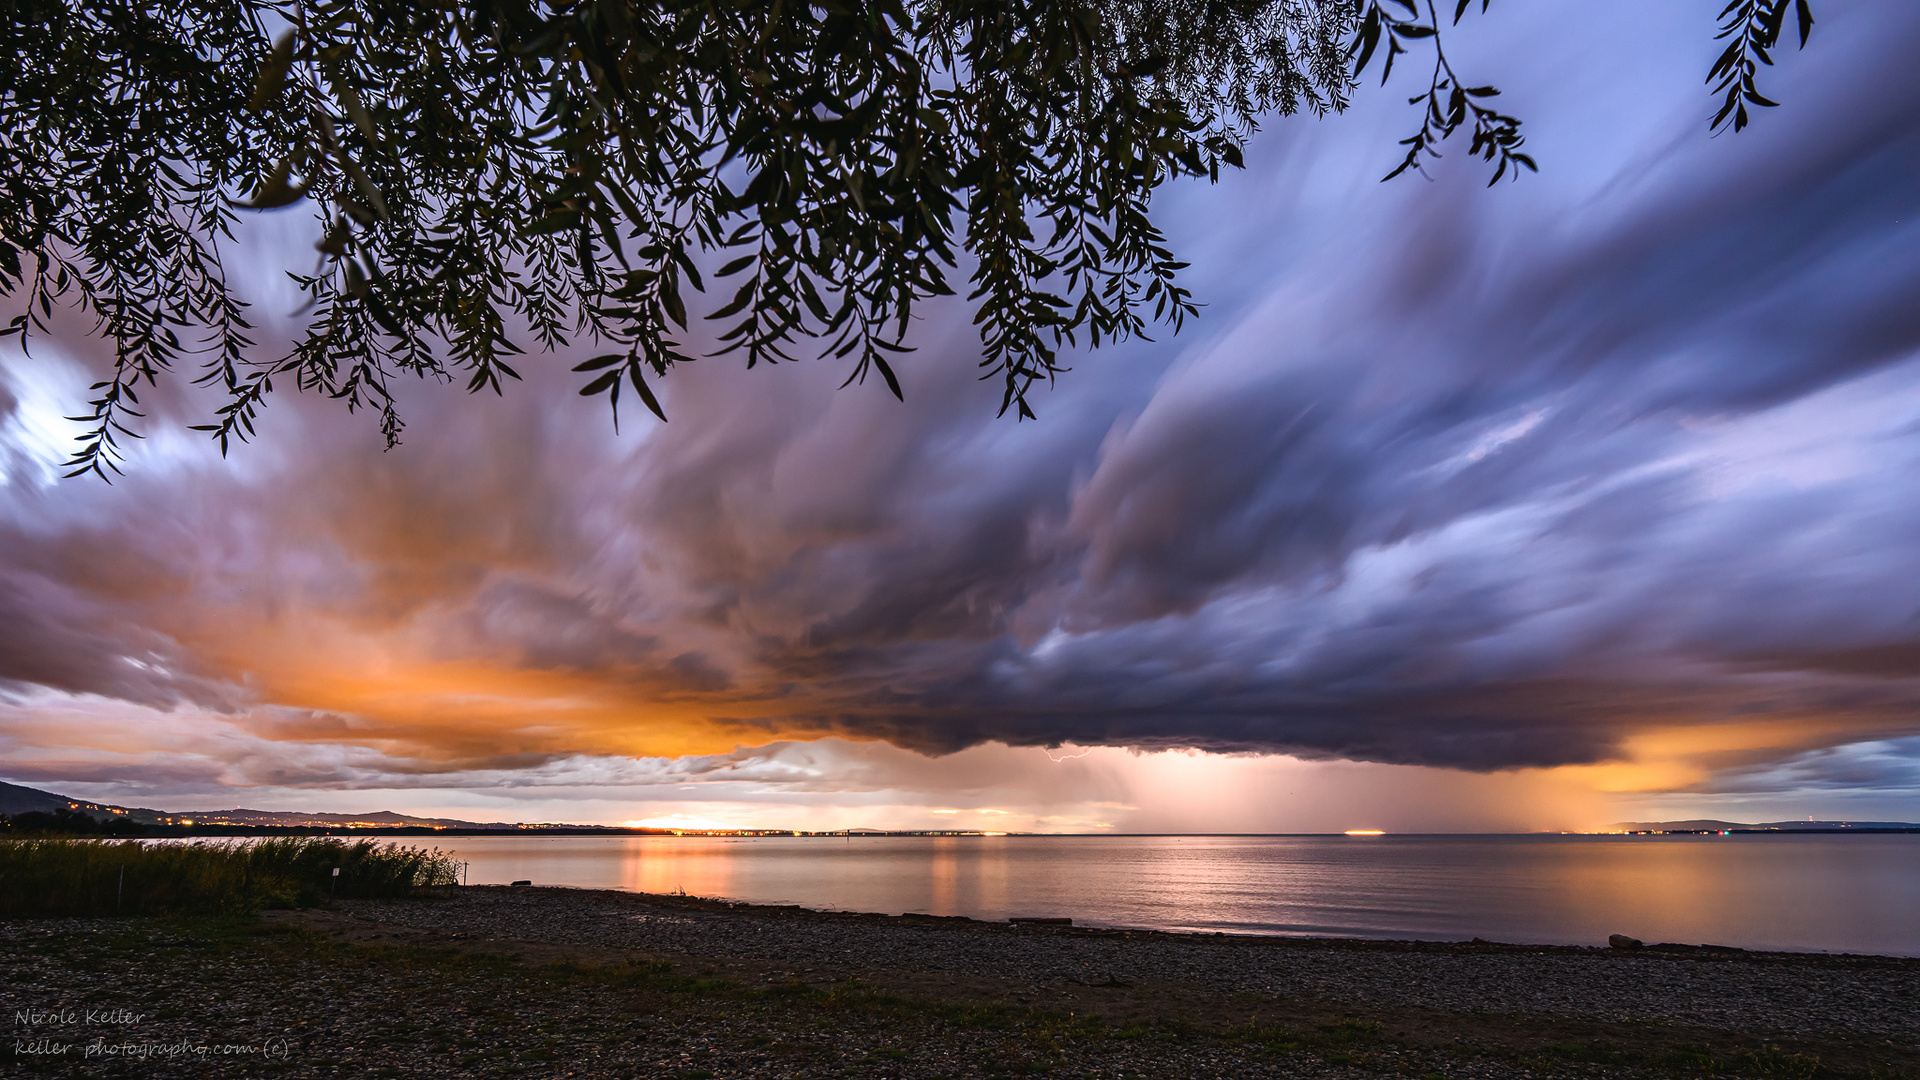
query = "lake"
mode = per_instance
[{"x": 1846, "y": 893}]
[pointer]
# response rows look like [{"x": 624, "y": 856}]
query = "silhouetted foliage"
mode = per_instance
[
  {"x": 67, "y": 823},
  {"x": 1751, "y": 28},
  {"x": 50, "y": 877},
  {"x": 560, "y": 170}
]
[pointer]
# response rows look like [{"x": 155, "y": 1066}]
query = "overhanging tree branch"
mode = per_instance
[{"x": 566, "y": 168}]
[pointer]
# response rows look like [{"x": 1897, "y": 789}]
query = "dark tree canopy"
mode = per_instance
[{"x": 491, "y": 174}]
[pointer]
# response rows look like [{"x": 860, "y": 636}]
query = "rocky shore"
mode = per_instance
[
  {"x": 1777, "y": 993},
  {"x": 524, "y": 982}
]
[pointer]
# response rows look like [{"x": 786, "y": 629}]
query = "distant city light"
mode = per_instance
[{"x": 1366, "y": 832}]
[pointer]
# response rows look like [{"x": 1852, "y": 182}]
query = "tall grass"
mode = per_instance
[{"x": 53, "y": 876}]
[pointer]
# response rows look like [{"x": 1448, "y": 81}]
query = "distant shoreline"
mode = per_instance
[
  {"x": 747, "y": 834},
  {"x": 46, "y": 811}
]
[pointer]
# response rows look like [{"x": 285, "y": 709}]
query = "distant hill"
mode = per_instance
[
  {"x": 15, "y": 799},
  {"x": 1708, "y": 825},
  {"x": 381, "y": 819}
]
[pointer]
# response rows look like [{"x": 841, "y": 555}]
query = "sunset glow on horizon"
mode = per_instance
[{"x": 1580, "y": 500}]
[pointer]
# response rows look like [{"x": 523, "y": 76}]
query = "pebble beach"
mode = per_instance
[
  {"x": 532, "y": 981},
  {"x": 1784, "y": 993}
]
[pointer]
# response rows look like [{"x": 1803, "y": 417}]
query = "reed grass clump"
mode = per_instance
[{"x": 57, "y": 876}]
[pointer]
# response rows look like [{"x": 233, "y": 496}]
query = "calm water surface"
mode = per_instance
[{"x": 1857, "y": 893}]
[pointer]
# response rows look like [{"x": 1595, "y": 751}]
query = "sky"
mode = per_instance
[{"x": 1582, "y": 499}]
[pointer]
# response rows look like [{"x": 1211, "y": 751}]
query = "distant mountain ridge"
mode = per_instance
[
  {"x": 16, "y": 799},
  {"x": 1709, "y": 825},
  {"x": 380, "y": 819}
]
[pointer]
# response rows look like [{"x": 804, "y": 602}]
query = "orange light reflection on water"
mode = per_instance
[
  {"x": 697, "y": 866},
  {"x": 944, "y": 876}
]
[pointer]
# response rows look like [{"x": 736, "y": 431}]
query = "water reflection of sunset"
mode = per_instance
[
  {"x": 693, "y": 865},
  {"x": 1757, "y": 891}
]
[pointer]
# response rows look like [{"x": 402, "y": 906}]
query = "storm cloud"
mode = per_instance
[{"x": 1532, "y": 477}]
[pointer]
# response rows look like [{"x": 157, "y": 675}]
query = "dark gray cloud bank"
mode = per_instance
[{"x": 1479, "y": 479}]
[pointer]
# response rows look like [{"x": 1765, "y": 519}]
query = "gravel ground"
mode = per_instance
[
  {"x": 1786, "y": 993},
  {"x": 427, "y": 989},
  {"x": 115, "y": 998}
]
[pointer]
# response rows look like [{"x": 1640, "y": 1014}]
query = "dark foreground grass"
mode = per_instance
[
  {"x": 56, "y": 876},
  {"x": 302, "y": 1003}
]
